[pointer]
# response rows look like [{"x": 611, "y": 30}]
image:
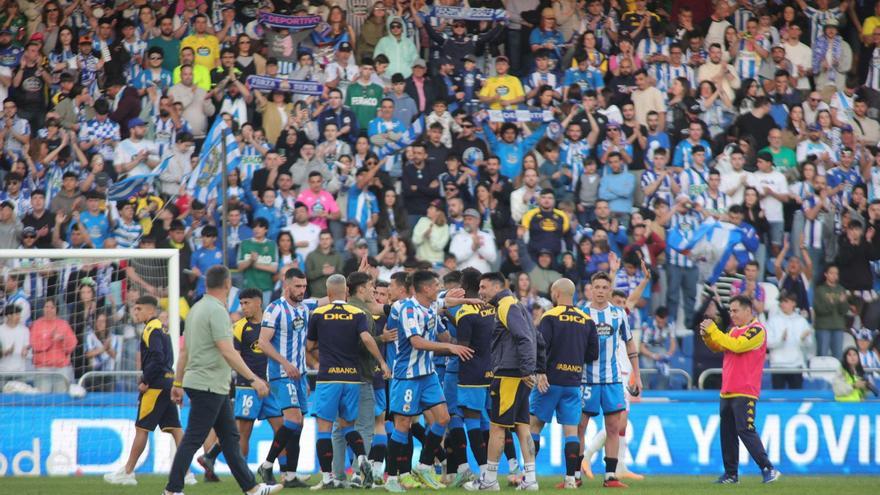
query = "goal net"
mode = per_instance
[{"x": 69, "y": 357}]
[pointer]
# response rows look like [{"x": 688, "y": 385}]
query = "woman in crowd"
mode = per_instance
[{"x": 850, "y": 383}]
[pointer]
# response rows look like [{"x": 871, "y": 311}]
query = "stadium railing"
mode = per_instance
[
  {"x": 110, "y": 381},
  {"x": 671, "y": 371},
  {"x": 39, "y": 380},
  {"x": 701, "y": 381}
]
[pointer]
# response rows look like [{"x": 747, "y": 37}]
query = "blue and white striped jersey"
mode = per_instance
[
  {"x": 127, "y": 234},
  {"x": 612, "y": 325},
  {"x": 694, "y": 182},
  {"x": 686, "y": 223},
  {"x": 665, "y": 73},
  {"x": 290, "y": 323},
  {"x": 573, "y": 153},
  {"x": 393, "y": 323},
  {"x": 415, "y": 320},
  {"x": 713, "y": 205}
]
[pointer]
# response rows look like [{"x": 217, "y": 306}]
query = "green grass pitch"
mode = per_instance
[{"x": 655, "y": 485}]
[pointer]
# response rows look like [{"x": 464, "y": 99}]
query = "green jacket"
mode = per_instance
[
  {"x": 830, "y": 310},
  {"x": 315, "y": 270}
]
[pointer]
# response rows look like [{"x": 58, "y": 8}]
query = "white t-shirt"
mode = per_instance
[
  {"x": 127, "y": 149},
  {"x": 775, "y": 181},
  {"x": 308, "y": 232},
  {"x": 799, "y": 55},
  {"x": 731, "y": 180},
  {"x": 17, "y": 339}
]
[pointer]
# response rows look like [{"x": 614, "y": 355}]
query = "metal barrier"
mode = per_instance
[
  {"x": 40, "y": 378},
  {"x": 672, "y": 371},
  {"x": 776, "y": 371}
]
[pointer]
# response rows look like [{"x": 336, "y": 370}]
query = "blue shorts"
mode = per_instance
[
  {"x": 564, "y": 401},
  {"x": 285, "y": 393},
  {"x": 380, "y": 401},
  {"x": 411, "y": 397},
  {"x": 249, "y": 405},
  {"x": 441, "y": 372},
  {"x": 474, "y": 398},
  {"x": 450, "y": 391},
  {"x": 605, "y": 397},
  {"x": 337, "y": 400}
]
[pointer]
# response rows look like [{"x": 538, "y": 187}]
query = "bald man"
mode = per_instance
[
  {"x": 336, "y": 332},
  {"x": 571, "y": 341}
]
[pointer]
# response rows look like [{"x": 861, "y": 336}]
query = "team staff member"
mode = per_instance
[
  {"x": 155, "y": 407},
  {"x": 336, "y": 332},
  {"x": 744, "y": 347},
  {"x": 571, "y": 340},
  {"x": 246, "y": 334},
  {"x": 283, "y": 340},
  {"x": 204, "y": 371},
  {"x": 514, "y": 363},
  {"x": 474, "y": 326}
]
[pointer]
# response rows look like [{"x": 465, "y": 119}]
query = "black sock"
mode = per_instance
[
  {"x": 355, "y": 441},
  {"x": 456, "y": 449},
  {"x": 611, "y": 465},
  {"x": 292, "y": 451},
  {"x": 215, "y": 451},
  {"x": 417, "y": 431},
  {"x": 509, "y": 449},
  {"x": 404, "y": 462},
  {"x": 324, "y": 448},
  {"x": 279, "y": 443},
  {"x": 430, "y": 448},
  {"x": 478, "y": 445},
  {"x": 580, "y": 462},
  {"x": 571, "y": 458}
]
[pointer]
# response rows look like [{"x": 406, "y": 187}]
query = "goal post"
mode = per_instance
[
  {"x": 72, "y": 256},
  {"x": 78, "y": 417}
]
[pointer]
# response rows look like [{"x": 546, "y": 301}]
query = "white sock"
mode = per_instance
[
  {"x": 463, "y": 468},
  {"x": 483, "y": 469},
  {"x": 327, "y": 477},
  {"x": 362, "y": 461},
  {"x": 594, "y": 445},
  {"x": 425, "y": 466},
  {"x": 621, "y": 456},
  {"x": 570, "y": 478},
  {"x": 267, "y": 465},
  {"x": 392, "y": 478},
  {"x": 577, "y": 474},
  {"x": 491, "y": 474},
  {"x": 512, "y": 465},
  {"x": 529, "y": 468}
]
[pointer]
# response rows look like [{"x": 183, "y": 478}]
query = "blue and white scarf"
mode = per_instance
[
  {"x": 408, "y": 138},
  {"x": 293, "y": 22},
  {"x": 520, "y": 115},
  {"x": 468, "y": 13},
  {"x": 267, "y": 83},
  {"x": 820, "y": 50}
]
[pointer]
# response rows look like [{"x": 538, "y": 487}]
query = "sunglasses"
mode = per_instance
[
  {"x": 396, "y": 26},
  {"x": 467, "y": 126}
]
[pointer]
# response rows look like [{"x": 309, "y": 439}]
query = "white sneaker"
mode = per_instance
[
  {"x": 528, "y": 487},
  {"x": 189, "y": 479},
  {"x": 480, "y": 486},
  {"x": 570, "y": 483},
  {"x": 264, "y": 489},
  {"x": 121, "y": 478}
]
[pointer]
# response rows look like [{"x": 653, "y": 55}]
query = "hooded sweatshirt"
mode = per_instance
[{"x": 400, "y": 52}]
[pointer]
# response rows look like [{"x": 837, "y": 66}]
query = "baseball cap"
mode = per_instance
[
  {"x": 766, "y": 156},
  {"x": 471, "y": 212},
  {"x": 419, "y": 62},
  {"x": 814, "y": 127},
  {"x": 345, "y": 46},
  {"x": 446, "y": 60},
  {"x": 469, "y": 58},
  {"x": 85, "y": 40},
  {"x": 502, "y": 58},
  {"x": 28, "y": 232},
  {"x": 361, "y": 243},
  {"x": 37, "y": 37},
  {"x": 546, "y": 251},
  {"x": 136, "y": 122},
  {"x": 863, "y": 334},
  {"x": 831, "y": 22}
]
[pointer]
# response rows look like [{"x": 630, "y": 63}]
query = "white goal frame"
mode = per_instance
[{"x": 171, "y": 256}]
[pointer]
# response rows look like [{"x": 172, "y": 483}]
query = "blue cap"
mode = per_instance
[{"x": 136, "y": 122}]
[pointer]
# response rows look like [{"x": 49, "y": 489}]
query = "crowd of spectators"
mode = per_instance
[{"x": 646, "y": 118}]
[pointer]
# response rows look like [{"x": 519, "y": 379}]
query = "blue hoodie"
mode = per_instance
[
  {"x": 511, "y": 154},
  {"x": 618, "y": 190}
]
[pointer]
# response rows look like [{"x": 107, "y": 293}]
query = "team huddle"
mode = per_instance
[{"x": 455, "y": 364}]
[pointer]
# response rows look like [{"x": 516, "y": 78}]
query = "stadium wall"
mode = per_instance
[{"x": 93, "y": 436}]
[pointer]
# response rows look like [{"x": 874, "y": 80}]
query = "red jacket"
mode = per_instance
[{"x": 745, "y": 349}]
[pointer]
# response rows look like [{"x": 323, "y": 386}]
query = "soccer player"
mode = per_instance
[
  {"x": 619, "y": 299},
  {"x": 283, "y": 341},
  {"x": 571, "y": 341},
  {"x": 336, "y": 332},
  {"x": 155, "y": 407},
  {"x": 603, "y": 391},
  {"x": 379, "y": 445},
  {"x": 416, "y": 388},
  {"x": 246, "y": 335},
  {"x": 514, "y": 363},
  {"x": 744, "y": 347},
  {"x": 474, "y": 325}
]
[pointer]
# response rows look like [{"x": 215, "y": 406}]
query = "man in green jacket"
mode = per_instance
[
  {"x": 830, "y": 305},
  {"x": 321, "y": 263}
]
